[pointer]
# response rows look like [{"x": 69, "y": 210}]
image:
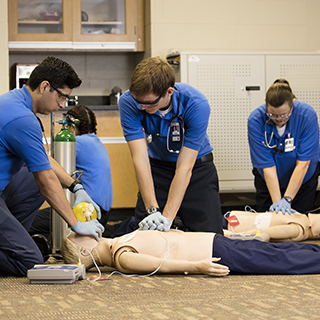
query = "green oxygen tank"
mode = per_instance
[
  {"x": 64, "y": 135},
  {"x": 65, "y": 155}
]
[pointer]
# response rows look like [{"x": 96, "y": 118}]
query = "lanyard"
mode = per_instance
[
  {"x": 288, "y": 142},
  {"x": 175, "y": 135}
]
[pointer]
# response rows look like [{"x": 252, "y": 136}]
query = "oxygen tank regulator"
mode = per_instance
[{"x": 65, "y": 135}]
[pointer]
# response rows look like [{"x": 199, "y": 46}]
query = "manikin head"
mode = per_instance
[{"x": 74, "y": 244}]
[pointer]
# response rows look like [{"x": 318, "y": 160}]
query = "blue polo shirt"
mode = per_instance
[
  {"x": 93, "y": 159},
  {"x": 20, "y": 136},
  {"x": 302, "y": 126},
  {"x": 194, "y": 110}
]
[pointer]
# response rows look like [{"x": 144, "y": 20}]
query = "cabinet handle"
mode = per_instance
[
  {"x": 173, "y": 62},
  {"x": 252, "y": 88}
]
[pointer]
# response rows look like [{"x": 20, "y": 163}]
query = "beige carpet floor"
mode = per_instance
[{"x": 164, "y": 297}]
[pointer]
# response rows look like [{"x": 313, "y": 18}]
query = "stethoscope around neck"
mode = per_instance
[
  {"x": 267, "y": 142},
  {"x": 175, "y": 129}
]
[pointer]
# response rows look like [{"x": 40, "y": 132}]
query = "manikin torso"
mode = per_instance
[
  {"x": 177, "y": 245},
  {"x": 184, "y": 245}
]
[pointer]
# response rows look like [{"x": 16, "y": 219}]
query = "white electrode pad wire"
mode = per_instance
[
  {"x": 247, "y": 208},
  {"x": 155, "y": 271},
  {"x": 95, "y": 264},
  {"x": 135, "y": 275}
]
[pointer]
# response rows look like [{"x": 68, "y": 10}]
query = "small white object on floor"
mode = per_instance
[{"x": 56, "y": 273}]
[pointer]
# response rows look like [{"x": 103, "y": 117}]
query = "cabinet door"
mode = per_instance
[
  {"x": 234, "y": 85},
  {"x": 302, "y": 70},
  {"x": 40, "y": 20},
  {"x": 104, "y": 20}
]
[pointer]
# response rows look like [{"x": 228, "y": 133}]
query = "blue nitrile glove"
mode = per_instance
[
  {"x": 81, "y": 196},
  {"x": 155, "y": 221},
  {"x": 91, "y": 227},
  {"x": 282, "y": 205}
]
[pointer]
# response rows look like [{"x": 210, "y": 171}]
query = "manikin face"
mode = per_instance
[
  {"x": 103, "y": 247},
  {"x": 281, "y": 115}
]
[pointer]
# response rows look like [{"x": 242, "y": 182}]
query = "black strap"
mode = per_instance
[{"x": 73, "y": 184}]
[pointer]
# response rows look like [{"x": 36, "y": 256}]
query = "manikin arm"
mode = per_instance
[
  {"x": 285, "y": 232},
  {"x": 278, "y": 226},
  {"x": 130, "y": 262}
]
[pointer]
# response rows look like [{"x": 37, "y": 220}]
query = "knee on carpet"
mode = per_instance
[{"x": 22, "y": 266}]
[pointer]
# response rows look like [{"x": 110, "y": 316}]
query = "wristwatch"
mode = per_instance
[
  {"x": 288, "y": 199},
  {"x": 73, "y": 184},
  {"x": 151, "y": 210}
]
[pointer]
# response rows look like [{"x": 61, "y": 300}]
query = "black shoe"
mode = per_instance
[{"x": 43, "y": 245}]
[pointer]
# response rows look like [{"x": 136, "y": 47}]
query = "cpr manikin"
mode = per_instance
[
  {"x": 149, "y": 247},
  {"x": 279, "y": 227},
  {"x": 145, "y": 252}
]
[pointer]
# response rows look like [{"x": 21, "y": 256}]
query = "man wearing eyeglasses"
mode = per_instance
[
  {"x": 165, "y": 125},
  {"x": 284, "y": 146},
  {"x": 28, "y": 175}
]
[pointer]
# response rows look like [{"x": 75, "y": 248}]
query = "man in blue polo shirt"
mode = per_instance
[
  {"x": 165, "y": 125},
  {"x": 27, "y": 175},
  {"x": 284, "y": 145}
]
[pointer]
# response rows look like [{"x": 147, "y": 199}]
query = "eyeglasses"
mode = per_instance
[
  {"x": 279, "y": 117},
  {"x": 62, "y": 95},
  {"x": 153, "y": 103}
]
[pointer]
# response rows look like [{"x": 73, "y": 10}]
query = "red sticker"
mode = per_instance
[
  {"x": 98, "y": 279},
  {"x": 233, "y": 220}
]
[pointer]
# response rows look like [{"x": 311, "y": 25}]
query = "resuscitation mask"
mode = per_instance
[{"x": 85, "y": 211}]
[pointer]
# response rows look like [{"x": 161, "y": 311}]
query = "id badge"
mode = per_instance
[
  {"x": 289, "y": 145},
  {"x": 175, "y": 131}
]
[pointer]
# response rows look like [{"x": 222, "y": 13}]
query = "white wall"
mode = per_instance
[
  {"x": 4, "y": 57},
  {"x": 233, "y": 25}
]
